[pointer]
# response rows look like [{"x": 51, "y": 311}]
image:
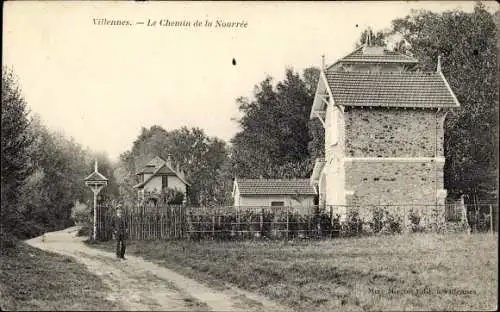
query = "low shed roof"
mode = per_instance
[{"x": 275, "y": 187}]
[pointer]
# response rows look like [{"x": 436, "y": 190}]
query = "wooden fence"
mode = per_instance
[
  {"x": 144, "y": 223},
  {"x": 181, "y": 222}
]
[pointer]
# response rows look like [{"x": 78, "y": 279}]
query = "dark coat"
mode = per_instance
[{"x": 120, "y": 226}]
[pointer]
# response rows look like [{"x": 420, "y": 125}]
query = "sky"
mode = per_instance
[{"x": 102, "y": 84}]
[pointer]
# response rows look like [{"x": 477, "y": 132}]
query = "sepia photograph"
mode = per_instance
[{"x": 249, "y": 156}]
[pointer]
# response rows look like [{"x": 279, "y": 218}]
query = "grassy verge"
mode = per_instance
[
  {"x": 416, "y": 272},
  {"x": 32, "y": 279}
]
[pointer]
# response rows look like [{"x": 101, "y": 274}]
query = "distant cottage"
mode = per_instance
[
  {"x": 383, "y": 131},
  {"x": 159, "y": 175},
  {"x": 273, "y": 192}
]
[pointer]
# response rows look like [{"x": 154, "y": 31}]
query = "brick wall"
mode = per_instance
[{"x": 382, "y": 132}]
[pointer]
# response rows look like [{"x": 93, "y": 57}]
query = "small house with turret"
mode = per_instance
[
  {"x": 159, "y": 175},
  {"x": 384, "y": 133}
]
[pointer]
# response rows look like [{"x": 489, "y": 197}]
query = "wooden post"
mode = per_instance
[
  {"x": 405, "y": 220},
  {"x": 150, "y": 220},
  {"x": 318, "y": 225},
  {"x": 261, "y": 221},
  {"x": 238, "y": 232},
  {"x": 174, "y": 220},
  {"x": 287, "y": 223},
  {"x": 95, "y": 216},
  {"x": 476, "y": 213},
  {"x": 213, "y": 225},
  {"x": 161, "y": 223},
  {"x": 491, "y": 219}
]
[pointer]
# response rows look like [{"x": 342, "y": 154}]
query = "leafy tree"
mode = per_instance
[
  {"x": 376, "y": 38},
  {"x": 274, "y": 132},
  {"x": 16, "y": 140},
  {"x": 467, "y": 44},
  {"x": 198, "y": 155},
  {"x": 60, "y": 165}
]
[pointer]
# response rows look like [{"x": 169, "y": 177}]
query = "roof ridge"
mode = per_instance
[
  {"x": 409, "y": 73},
  {"x": 343, "y": 57},
  {"x": 274, "y": 180},
  {"x": 387, "y": 55}
]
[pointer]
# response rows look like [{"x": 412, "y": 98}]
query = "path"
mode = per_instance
[{"x": 138, "y": 284}]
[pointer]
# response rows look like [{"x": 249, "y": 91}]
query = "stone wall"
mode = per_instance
[
  {"x": 390, "y": 132},
  {"x": 393, "y": 182}
]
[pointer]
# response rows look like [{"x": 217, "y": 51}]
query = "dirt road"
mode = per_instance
[{"x": 137, "y": 284}]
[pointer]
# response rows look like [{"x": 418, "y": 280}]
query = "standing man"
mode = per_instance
[{"x": 120, "y": 231}]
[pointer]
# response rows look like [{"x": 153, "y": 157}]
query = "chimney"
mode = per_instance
[
  {"x": 369, "y": 37},
  {"x": 169, "y": 159},
  {"x": 438, "y": 69},
  {"x": 95, "y": 165},
  {"x": 369, "y": 48},
  {"x": 323, "y": 64}
]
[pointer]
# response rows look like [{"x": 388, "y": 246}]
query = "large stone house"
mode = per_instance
[
  {"x": 384, "y": 132},
  {"x": 158, "y": 175}
]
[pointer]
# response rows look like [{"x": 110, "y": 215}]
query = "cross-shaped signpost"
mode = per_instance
[{"x": 96, "y": 182}]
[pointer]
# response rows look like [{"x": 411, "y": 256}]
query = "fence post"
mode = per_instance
[
  {"x": 491, "y": 219},
  {"x": 287, "y": 223},
  {"x": 261, "y": 220},
  {"x": 331, "y": 215},
  {"x": 309, "y": 224},
  {"x": 405, "y": 220},
  {"x": 213, "y": 224}
]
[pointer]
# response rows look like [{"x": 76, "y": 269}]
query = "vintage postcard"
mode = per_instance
[{"x": 249, "y": 156}]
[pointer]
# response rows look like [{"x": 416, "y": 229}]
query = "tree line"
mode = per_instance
[{"x": 42, "y": 170}]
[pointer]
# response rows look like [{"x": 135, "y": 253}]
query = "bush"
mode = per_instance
[
  {"x": 353, "y": 224},
  {"x": 385, "y": 222},
  {"x": 326, "y": 224},
  {"x": 81, "y": 213},
  {"x": 414, "y": 222},
  {"x": 7, "y": 241},
  {"x": 392, "y": 224},
  {"x": 85, "y": 230},
  {"x": 267, "y": 218}
]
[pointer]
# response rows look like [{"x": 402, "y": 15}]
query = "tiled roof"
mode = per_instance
[
  {"x": 386, "y": 56},
  {"x": 146, "y": 170},
  {"x": 275, "y": 187},
  {"x": 406, "y": 89},
  {"x": 166, "y": 170},
  {"x": 96, "y": 176},
  {"x": 152, "y": 165}
]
